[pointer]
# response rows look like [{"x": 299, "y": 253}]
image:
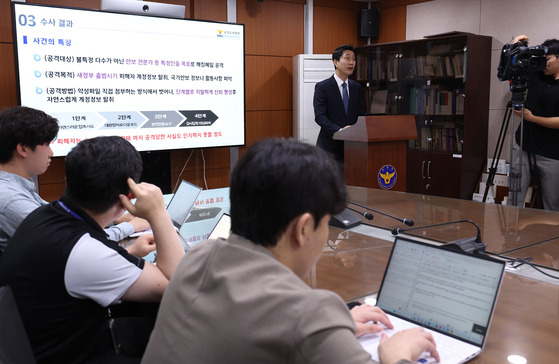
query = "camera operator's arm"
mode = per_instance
[{"x": 548, "y": 122}]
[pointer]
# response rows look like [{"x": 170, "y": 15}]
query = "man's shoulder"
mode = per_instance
[
  {"x": 353, "y": 83},
  {"x": 328, "y": 81},
  {"x": 13, "y": 182}
]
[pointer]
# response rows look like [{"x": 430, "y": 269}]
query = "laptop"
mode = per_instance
[
  {"x": 222, "y": 229},
  {"x": 180, "y": 205},
  {"x": 450, "y": 293}
]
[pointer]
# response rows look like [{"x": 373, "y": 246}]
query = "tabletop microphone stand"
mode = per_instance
[
  {"x": 404, "y": 221},
  {"x": 468, "y": 245}
]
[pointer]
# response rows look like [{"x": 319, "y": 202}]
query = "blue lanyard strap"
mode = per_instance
[{"x": 68, "y": 210}]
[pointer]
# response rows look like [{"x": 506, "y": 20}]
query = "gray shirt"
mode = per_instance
[
  {"x": 231, "y": 301},
  {"x": 18, "y": 198}
]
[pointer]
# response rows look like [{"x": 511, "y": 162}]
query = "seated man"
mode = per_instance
[
  {"x": 25, "y": 135},
  {"x": 244, "y": 299},
  {"x": 64, "y": 271}
]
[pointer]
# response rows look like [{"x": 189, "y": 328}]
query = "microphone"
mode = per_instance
[
  {"x": 366, "y": 215},
  {"x": 469, "y": 245},
  {"x": 405, "y": 221}
]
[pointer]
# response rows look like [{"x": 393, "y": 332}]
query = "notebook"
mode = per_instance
[
  {"x": 450, "y": 293},
  {"x": 222, "y": 229},
  {"x": 180, "y": 205}
]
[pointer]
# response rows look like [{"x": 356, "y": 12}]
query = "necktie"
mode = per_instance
[{"x": 345, "y": 96}]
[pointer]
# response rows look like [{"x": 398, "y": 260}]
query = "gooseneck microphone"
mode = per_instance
[
  {"x": 470, "y": 245},
  {"x": 405, "y": 221},
  {"x": 366, "y": 215}
]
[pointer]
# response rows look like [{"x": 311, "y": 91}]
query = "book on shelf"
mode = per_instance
[
  {"x": 442, "y": 137},
  {"x": 392, "y": 69},
  {"x": 432, "y": 100}
]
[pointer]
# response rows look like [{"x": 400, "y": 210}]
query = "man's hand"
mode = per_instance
[
  {"x": 143, "y": 245},
  {"x": 528, "y": 116},
  {"x": 149, "y": 200},
  {"x": 547, "y": 122},
  {"x": 520, "y": 38},
  {"x": 139, "y": 224},
  {"x": 406, "y": 344},
  {"x": 364, "y": 314}
]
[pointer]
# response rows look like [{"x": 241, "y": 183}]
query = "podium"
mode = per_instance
[{"x": 375, "y": 151}]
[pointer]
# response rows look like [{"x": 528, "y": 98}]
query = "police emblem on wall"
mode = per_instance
[{"x": 387, "y": 177}]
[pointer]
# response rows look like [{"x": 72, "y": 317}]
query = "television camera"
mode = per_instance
[{"x": 516, "y": 62}]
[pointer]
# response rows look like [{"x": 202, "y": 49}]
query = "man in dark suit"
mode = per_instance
[{"x": 338, "y": 101}]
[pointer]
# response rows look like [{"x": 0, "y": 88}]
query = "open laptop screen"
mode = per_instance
[
  {"x": 222, "y": 229},
  {"x": 448, "y": 291},
  {"x": 182, "y": 202}
]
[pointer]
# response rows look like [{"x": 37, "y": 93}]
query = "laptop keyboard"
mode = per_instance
[{"x": 447, "y": 347}]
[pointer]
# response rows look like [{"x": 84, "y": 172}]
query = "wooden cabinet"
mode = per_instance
[
  {"x": 431, "y": 173},
  {"x": 443, "y": 81}
]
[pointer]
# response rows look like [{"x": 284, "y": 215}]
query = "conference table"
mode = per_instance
[{"x": 526, "y": 318}]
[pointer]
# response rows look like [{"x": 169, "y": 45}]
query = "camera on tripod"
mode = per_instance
[{"x": 516, "y": 62}]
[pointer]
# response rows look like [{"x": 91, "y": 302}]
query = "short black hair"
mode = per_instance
[
  {"x": 552, "y": 46},
  {"x": 27, "y": 126},
  {"x": 277, "y": 180},
  {"x": 338, "y": 52},
  {"x": 97, "y": 171}
]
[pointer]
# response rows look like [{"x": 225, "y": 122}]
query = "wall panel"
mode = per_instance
[
  {"x": 215, "y": 178},
  {"x": 5, "y": 22},
  {"x": 272, "y": 27},
  {"x": 215, "y": 10},
  {"x": 392, "y": 25},
  {"x": 262, "y": 124},
  {"x": 8, "y": 91},
  {"x": 340, "y": 4},
  {"x": 269, "y": 83},
  {"x": 52, "y": 182},
  {"x": 334, "y": 27},
  {"x": 217, "y": 164}
]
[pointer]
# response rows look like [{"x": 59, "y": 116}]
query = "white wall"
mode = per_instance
[{"x": 501, "y": 19}]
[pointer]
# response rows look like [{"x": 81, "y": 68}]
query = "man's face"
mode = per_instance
[
  {"x": 552, "y": 67},
  {"x": 38, "y": 160},
  {"x": 346, "y": 65}
]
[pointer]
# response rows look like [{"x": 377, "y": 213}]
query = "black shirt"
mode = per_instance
[
  {"x": 542, "y": 100},
  {"x": 61, "y": 328}
]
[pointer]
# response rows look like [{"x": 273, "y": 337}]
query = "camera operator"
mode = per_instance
[{"x": 540, "y": 142}]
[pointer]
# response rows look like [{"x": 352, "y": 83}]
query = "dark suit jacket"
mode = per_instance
[{"x": 329, "y": 113}]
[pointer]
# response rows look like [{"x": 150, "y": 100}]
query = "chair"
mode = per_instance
[{"x": 14, "y": 343}]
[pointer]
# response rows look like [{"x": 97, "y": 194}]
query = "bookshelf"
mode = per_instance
[{"x": 443, "y": 81}]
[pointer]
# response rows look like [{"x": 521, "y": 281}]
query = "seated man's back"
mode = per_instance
[
  {"x": 61, "y": 326},
  {"x": 235, "y": 303}
]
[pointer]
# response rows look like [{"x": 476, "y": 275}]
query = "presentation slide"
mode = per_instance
[{"x": 161, "y": 83}]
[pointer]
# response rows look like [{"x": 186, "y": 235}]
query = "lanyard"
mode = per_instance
[{"x": 68, "y": 210}]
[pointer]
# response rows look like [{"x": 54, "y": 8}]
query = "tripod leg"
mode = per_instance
[
  {"x": 498, "y": 149},
  {"x": 518, "y": 169}
]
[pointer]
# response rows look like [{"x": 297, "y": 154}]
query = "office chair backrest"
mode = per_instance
[{"x": 14, "y": 343}]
